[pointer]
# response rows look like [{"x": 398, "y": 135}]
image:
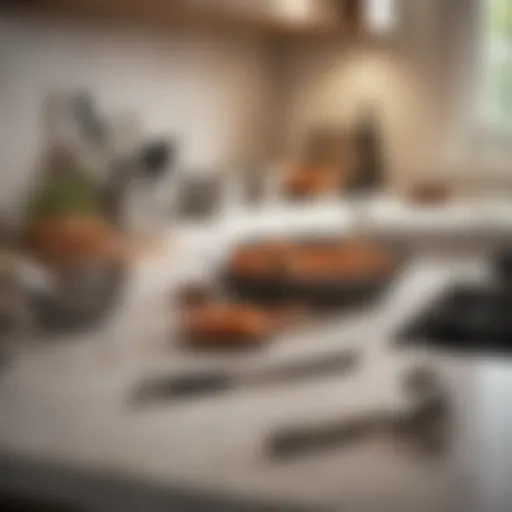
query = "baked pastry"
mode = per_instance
[
  {"x": 310, "y": 182},
  {"x": 69, "y": 240},
  {"x": 262, "y": 260},
  {"x": 228, "y": 323},
  {"x": 341, "y": 261}
]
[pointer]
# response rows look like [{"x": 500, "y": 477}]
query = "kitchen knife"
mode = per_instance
[{"x": 201, "y": 384}]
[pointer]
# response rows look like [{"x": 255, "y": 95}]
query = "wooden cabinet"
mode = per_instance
[{"x": 270, "y": 17}]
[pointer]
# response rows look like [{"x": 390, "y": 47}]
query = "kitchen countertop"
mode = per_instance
[
  {"x": 68, "y": 401},
  {"x": 377, "y": 213}
]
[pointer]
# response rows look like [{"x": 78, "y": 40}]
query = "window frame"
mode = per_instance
[{"x": 491, "y": 127}]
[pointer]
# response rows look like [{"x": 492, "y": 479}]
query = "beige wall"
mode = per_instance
[
  {"x": 332, "y": 86},
  {"x": 418, "y": 82},
  {"x": 212, "y": 92},
  {"x": 229, "y": 100}
]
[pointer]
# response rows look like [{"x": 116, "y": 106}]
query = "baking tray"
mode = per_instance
[{"x": 316, "y": 293}]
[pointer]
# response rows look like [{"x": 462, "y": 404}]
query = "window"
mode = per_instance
[{"x": 497, "y": 101}]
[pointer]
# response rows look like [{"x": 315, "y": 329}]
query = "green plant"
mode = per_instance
[{"x": 75, "y": 193}]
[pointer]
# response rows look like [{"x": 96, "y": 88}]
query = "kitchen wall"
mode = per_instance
[
  {"x": 230, "y": 100},
  {"x": 210, "y": 91},
  {"x": 417, "y": 81},
  {"x": 335, "y": 85}
]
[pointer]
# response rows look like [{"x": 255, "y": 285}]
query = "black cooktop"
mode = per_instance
[{"x": 466, "y": 317}]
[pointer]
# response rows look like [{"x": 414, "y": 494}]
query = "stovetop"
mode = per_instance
[{"x": 468, "y": 317}]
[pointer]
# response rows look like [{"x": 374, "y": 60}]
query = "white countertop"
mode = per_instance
[
  {"x": 68, "y": 401},
  {"x": 377, "y": 215}
]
